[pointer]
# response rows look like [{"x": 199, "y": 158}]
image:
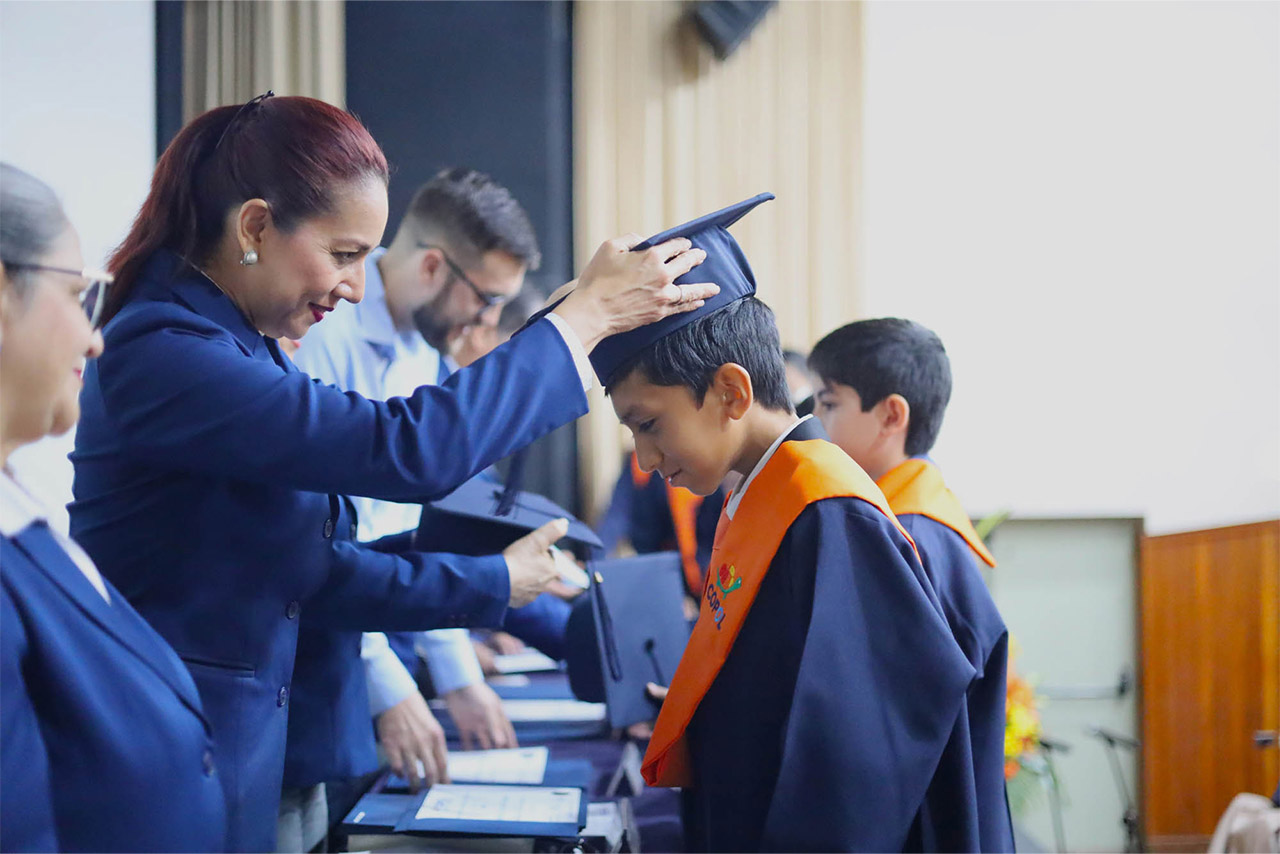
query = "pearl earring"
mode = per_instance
[{"x": 250, "y": 258}]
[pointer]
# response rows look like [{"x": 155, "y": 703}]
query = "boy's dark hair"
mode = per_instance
[
  {"x": 743, "y": 332},
  {"x": 877, "y": 358},
  {"x": 472, "y": 214},
  {"x": 795, "y": 359}
]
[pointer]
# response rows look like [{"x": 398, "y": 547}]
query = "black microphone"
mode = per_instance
[{"x": 1114, "y": 738}]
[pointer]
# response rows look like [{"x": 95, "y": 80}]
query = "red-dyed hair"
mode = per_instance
[{"x": 292, "y": 152}]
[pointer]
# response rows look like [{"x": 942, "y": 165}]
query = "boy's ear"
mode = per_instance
[
  {"x": 895, "y": 415},
  {"x": 732, "y": 387}
]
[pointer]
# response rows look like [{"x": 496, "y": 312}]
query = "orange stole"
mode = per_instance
[
  {"x": 916, "y": 487},
  {"x": 798, "y": 474}
]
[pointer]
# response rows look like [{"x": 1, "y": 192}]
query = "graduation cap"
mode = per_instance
[
  {"x": 726, "y": 265},
  {"x": 484, "y": 516},
  {"x": 630, "y": 630}
]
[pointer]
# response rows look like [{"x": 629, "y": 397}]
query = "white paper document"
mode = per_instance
[
  {"x": 570, "y": 572},
  {"x": 526, "y": 661},
  {"x": 529, "y": 711},
  {"x": 509, "y": 680},
  {"x": 451, "y": 802},
  {"x": 519, "y": 765}
]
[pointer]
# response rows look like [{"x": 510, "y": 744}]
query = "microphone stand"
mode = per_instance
[{"x": 1113, "y": 740}]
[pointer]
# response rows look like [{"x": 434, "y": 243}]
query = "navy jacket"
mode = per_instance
[
  {"x": 331, "y": 735},
  {"x": 201, "y": 463},
  {"x": 980, "y": 631},
  {"x": 103, "y": 743}
]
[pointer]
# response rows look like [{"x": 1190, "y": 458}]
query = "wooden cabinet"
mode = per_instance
[{"x": 1210, "y": 640}]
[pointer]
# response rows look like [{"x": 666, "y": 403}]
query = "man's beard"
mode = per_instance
[{"x": 432, "y": 319}]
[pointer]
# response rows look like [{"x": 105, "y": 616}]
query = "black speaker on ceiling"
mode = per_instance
[{"x": 725, "y": 24}]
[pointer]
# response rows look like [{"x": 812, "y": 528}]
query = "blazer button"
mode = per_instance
[
  {"x": 282, "y": 697},
  {"x": 292, "y": 611},
  {"x": 328, "y": 529},
  {"x": 207, "y": 761}
]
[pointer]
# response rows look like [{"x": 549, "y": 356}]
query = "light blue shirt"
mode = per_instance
[{"x": 357, "y": 348}]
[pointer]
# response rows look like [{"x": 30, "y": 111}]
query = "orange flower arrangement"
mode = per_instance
[{"x": 1022, "y": 720}]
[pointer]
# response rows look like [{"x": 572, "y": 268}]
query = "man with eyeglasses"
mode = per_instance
[{"x": 459, "y": 255}]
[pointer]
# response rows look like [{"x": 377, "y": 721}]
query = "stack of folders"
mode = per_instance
[{"x": 517, "y": 792}]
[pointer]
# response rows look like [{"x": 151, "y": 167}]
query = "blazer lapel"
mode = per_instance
[{"x": 126, "y": 626}]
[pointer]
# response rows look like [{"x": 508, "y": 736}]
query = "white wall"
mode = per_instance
[
  {"x": 1083, "y": 200},
  {"x": 77, "y": 110}
]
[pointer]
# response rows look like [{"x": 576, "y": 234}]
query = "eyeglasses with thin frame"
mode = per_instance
[
  {"x": 92, "y": 298},
  {"x": 489, "y": 298}
]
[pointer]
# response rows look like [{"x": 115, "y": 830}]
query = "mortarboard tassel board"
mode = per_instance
[
  {"x": 628, "y": 632},
  {"x": 725, "y": 264},
  {"x": 484, "y": 516}
]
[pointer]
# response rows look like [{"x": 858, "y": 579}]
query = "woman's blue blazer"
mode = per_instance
[
  {"x": 103, "y": 743},
  {"x": 206, "y": 470}
]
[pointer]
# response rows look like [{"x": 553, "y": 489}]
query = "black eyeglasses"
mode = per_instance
[
  {"x": 92, "y": 298},
  {"x": 489, "y": 298}
]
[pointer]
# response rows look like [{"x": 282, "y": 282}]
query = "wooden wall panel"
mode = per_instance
[{"x": 1210, "y": 617}]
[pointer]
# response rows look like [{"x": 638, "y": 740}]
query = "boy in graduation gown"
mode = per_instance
[
  {"x": 885, "y": 387},
  {"x": 821, "y": 686}
]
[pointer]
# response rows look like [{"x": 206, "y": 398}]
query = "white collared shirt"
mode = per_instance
[
  {"x": 19, "y": 510},
  {"x": 736, "y": 498}
]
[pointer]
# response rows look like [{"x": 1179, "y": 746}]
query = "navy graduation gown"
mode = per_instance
[
  {"x": 771, "y": 744},
  {"x": 980, "y": 631}
]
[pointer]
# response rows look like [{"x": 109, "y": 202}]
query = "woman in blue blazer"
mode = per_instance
[
  {"x": 103, "y": 742},
  {"x": 207, "y": 468}
]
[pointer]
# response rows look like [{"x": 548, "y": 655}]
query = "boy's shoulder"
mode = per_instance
[
  {"x": 808, "y": 467},
  {"x": 920, "y": 498},
  {"x": 937, "y": 542},
  {"x": 806, "y": 479}
]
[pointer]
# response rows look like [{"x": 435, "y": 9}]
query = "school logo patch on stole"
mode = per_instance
[{"x": 727, "y": 580}]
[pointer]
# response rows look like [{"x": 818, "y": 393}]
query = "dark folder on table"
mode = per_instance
[
  {"x": 410, "y": 823},
  {"x": 380, "y": 812},
  {"x": 627, "y": 631}
]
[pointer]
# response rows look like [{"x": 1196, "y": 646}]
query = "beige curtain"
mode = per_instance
[
  {"x": 236, "y": 49},
  {"x": 663, "y": 132}
]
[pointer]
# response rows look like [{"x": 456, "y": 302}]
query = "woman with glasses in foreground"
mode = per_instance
[{"x": 101, "y": 729}]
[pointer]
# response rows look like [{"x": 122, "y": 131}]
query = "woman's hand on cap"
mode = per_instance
[{"x": 620, "y": 289}]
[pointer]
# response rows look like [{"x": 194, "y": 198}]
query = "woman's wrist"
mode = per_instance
[{"x": 585, "y": 316}]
